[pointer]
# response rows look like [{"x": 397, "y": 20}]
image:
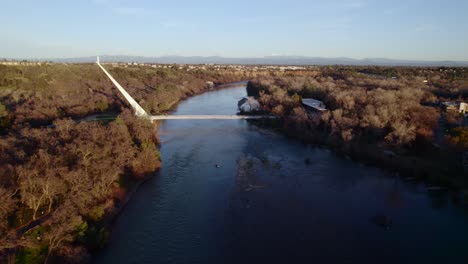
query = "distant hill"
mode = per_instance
[{"x": 268, "y": 60}]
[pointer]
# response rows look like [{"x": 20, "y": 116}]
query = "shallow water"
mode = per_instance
[{"x": 275, "y": 200}]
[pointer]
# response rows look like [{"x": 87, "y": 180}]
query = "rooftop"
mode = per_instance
[{"x": 315, "y": 104}]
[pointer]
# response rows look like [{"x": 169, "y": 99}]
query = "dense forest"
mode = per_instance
[
  {"x": 389, "y": 116},
  {"x": 61, "y": 179}
]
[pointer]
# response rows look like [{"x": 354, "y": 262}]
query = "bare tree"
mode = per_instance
[{"x": 63, "y": 223}]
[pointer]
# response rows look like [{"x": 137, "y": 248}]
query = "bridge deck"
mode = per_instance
[{"x": 208, "y": 117}]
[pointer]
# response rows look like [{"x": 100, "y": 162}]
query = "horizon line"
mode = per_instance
[{"x": 233, "y": 57}]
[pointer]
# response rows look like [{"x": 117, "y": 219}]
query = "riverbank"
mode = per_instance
[
  {"x": 173, "y": 105},
  {"x": 430, "y": 167},
  {"x": 366, "y": 125}
]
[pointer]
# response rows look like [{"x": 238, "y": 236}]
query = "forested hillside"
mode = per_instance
[{"x": 61, "y": 180}]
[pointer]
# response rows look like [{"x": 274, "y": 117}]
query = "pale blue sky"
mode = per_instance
[{"x": 411, "y": 29}]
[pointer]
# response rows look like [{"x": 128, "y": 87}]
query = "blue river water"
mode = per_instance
[{"x": 232, "y": 192}]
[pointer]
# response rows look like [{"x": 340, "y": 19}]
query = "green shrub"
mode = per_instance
[
  {"x": 96, "y": 213},
  {"x": 3, "y": 110}
]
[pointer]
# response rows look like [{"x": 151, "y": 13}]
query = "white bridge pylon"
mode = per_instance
[{"x": 139, "y": 111}]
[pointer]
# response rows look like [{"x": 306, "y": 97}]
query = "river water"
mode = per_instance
[{"x": 272, "y": 199}]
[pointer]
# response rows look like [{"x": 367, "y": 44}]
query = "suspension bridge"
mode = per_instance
[{"x": 140, "y": 112}]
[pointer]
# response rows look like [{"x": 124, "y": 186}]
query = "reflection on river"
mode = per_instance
[{"x": 274, "y": 200}]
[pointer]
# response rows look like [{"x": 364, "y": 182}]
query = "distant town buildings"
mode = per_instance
[
  {"x": 25, "y": 63},
  {"x": 183, "y": 67},
  {"x": 216, "y": 67}
]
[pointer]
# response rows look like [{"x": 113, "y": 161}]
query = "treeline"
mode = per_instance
[
  {"x": 391, "y": 121},
  {"x": 446, "y": 82}
]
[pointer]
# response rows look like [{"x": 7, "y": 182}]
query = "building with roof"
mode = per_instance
[{"x": 314, "y": 105}]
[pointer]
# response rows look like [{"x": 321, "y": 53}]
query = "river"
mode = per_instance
[{"x": 231, "y": 192}]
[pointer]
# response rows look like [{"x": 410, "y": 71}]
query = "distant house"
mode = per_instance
[
  {"x": 451, "y": 106},
  {"x": 463, "y": 108},
  {"x": 314, "y": 105},
  {"x": 210, "y": 84}
]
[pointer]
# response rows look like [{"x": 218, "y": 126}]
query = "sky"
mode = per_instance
[{"x": 409, "y": 29}]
